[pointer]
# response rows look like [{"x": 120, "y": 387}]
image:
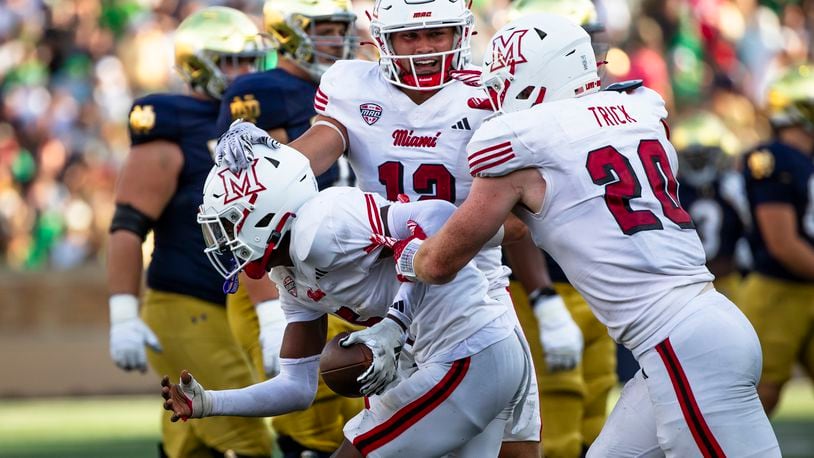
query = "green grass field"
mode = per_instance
[{"x": 125, "y": 427}]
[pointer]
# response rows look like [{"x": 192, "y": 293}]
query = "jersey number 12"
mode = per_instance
[
  {"x": 432, "y": 180},
  {"x": 609, "y": 168}
]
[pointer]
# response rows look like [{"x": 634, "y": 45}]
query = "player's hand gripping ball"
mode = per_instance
[{"x": 340, "y": 366}]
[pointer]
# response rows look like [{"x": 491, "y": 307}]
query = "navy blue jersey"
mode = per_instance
[
  {"x": 273, "y": 99},
  {"x": 778, "y": 173},
  {"x": 178, "y": 264},
  {"x": 718, "y": 210}
]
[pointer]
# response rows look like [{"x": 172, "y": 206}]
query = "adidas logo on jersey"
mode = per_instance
[{"x": 463, "y": 124}]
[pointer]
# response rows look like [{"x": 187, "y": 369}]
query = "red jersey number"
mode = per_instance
[
  {"x": 609, "y": 168},
  {"x": 432, "y": 181}
]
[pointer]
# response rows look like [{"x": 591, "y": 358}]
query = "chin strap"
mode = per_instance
[
  {"x": 423, "y": 81},
  {"x": 256, "y": 269}
]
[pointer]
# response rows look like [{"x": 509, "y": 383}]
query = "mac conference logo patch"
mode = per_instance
[{"x": 371, "y": 112}]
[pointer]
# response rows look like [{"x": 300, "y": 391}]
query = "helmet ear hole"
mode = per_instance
[{"x": 265, "y": 221}]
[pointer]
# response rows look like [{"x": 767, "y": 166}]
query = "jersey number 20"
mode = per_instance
[{"x": 609, "y": 168}]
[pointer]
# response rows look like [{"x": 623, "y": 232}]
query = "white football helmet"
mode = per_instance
[
  {"x": 538, "y": 58},
  {"x": 245, "y": 215},
  {"x": 391, "y": 16}
]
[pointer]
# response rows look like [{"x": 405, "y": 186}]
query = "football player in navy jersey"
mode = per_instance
[
  {"x": 311, "y": 35},
  {"x": 778, "y": 297},
  {"x": 183, "y": 316},
  {"x": 712, "y": 193}
]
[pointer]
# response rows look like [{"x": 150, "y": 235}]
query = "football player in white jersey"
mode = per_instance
[
  {"x": 404, "y": 123},
  {"x": 592, "y": 174},
  {"x": 330, "y": 252}
]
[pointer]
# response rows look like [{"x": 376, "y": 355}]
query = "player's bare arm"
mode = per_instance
[
  {"x": 486, "y": 208},
  {"x": 515, "y": 231},
  {"x": 302, "y": 343},
  {"x": 323, "y": 143},
  {"x": 778, "y": 226},
  {"x": 146, "y": 183},
  {"x": 527, "y": 262}
]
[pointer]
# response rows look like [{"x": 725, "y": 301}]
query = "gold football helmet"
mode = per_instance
[
  {"x": 704, "y": 144},
  {"x": 791, "y": 98},
  {"x": 292, "y": 24},
  {"x": 212, "y": 37},
  {"x": 582, "y": 12}
]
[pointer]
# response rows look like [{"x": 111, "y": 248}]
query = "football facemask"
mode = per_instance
[
  {"x": 391, "y": 16},
  {"x": 293, "y": 25}
]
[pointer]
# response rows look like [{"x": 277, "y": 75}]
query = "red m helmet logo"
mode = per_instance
[
  {"x": 506, "y": 50},
  {"x": 242, "y": 184}
]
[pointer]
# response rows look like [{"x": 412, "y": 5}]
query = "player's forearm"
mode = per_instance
[
  {"x": 440, "y": 257},
  {"x": 796, "y": 255},
  {"x": 322, "y": 145},
  {"x": 430, "y": 268},
  {"x": 294, "y": 389},
  {"x": 124, "y": 266},
  {"x": 459, "y": 241},
  {"x": 528, "y": 264}
]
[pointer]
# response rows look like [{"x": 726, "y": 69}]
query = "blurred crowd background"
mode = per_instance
[{"x": 69, "y": 70}]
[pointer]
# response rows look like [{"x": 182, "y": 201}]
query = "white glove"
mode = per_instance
[
  {"x": 385, "y": 340},
  {"x": 559, "y": 334},
  {"x": 272, "y": 327},
  {"x": 187, "y": 399},
  {"x": 128, "y": 334},
  {"x": 234, "y": 148}
]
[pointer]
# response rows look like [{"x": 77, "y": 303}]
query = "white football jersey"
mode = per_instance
[
  {"x": 338, "y": 270},
  {"x": 398, "y": 147},
  {"x": 611, "y": 216}
]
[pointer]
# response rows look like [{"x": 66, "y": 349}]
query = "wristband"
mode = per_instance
[
  {"x": 405, "y": 261},
  {"x": 540, "y": 293},
  {"x": 123, "y": 307}
]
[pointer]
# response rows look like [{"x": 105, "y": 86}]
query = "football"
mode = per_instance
[{"x": 340, "y": 366}]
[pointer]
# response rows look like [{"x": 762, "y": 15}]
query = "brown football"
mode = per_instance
[{"x": 340, "y": 366}]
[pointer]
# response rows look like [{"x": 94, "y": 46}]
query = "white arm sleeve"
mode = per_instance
[
  {"x": 430, "y": 215},
  {"x": 293, "y": 389}
]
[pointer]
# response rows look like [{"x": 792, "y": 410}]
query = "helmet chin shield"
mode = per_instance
[{"x": 410, "y": 78}]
